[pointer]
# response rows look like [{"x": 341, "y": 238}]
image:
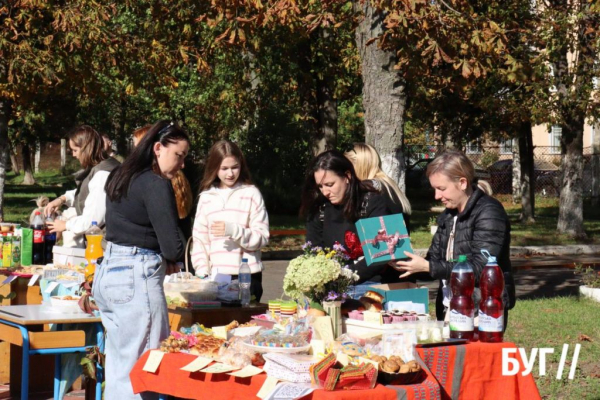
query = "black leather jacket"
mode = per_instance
[{"x": 483, "y": 224}]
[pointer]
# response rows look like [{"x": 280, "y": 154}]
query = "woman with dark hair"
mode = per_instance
[
  {"x": 144, "y": 241},
  {"x": 231, "y": 218},
  {"x": 89, "y": 198},
  {"x": 333, "y": 199}
]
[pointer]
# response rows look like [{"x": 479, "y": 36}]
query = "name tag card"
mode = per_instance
[
  {"x": 9, "y": 279},
  {"x": 218, "y": 368},
  {"x": 324, "y": 329},
  {"x": 51, "y": 286},
  {"x": 373, "y": 317},
  {"x": 197, "y": 364},
  {"x": 247, "y": 371},
  {"x": 153, "y": 361},
  {"x": 33, "y": 280},
  {"x": 267, "y": 387}
]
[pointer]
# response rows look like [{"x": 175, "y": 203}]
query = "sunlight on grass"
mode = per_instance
[{"x": 552, "y": 323}]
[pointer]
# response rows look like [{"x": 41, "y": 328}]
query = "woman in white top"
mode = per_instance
[{"x": 89, "y": 198}]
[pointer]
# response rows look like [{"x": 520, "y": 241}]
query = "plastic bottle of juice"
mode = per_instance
[
  {"x": 93, "y": 250},
  {"x": 462, "y": 307},
  {"x": 491, "y": 308}
]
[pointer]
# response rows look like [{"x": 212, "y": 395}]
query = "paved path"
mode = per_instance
[{"x": 531, "y": 283}]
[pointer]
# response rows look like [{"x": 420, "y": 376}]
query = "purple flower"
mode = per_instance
[
  {"x": 306, "y": 245},
  {"x": 332, "y": 296}
]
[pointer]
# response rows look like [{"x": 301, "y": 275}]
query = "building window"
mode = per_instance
[
  {"x": 555, "y": 134},
  {"x": 474, "y": 147},
  {"x": 506, "y": 146}
]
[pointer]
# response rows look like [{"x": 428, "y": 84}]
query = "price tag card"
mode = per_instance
[
  {"x": 33, "y": 280},
  {"x": 267, "y": 387},
  {"x": 367, "y": 361},
  {"x": 317, "y": 347},
  {"x": 9, "y": 279},
  {"x": 324, "y": 329},
  {"x": 220, "y": 332},
  {"x": 153, "y": 361},
  {"x": 247, "y": 371},
  {"x": 51, "y": 286},
  {"x": 373, "y": 317},
  {"x": 343, "y": 359},
  {"x": 197, "y": 364},
  {"x": 218, "y": 368}
]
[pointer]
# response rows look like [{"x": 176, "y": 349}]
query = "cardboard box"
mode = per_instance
[
  {"x": 403, "y": 291},
  {"x": 68, "y": 257},
  {"x": 383, "y": 238}
]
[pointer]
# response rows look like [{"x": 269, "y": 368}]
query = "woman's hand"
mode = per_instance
[
  {"x": 414, "y": 265},
  {"x": 217, "y": 228},
  {"x": 172, "y": 268},
  {"x": 57, "y": 226},
  {"x": 53, "y": 206}
]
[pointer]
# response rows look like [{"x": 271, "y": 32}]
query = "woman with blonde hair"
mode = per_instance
[
  {"x": 473, "y": 221},
  {"x": 367, "y": 165}
]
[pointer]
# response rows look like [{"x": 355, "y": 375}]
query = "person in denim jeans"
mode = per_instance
[{"x": 144, "y": 242}]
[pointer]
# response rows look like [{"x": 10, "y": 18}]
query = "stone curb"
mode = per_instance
[{"x": 515, "y": 251}]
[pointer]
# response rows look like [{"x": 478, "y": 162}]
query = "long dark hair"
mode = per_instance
[
  {"x": 142, "y": 157},
  {"x": 333, "y": 161},
  {"x": 217, "y": 153}
]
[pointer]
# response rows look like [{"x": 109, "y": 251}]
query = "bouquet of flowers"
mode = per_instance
[{"x": 320, "y": 274}]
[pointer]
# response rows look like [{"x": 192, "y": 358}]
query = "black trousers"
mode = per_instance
[{"x": 256, "y": 288}]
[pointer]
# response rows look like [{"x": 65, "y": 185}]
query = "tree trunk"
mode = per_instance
[
  {"x": 384, "y": 95},
  {"x": 570, "y": 214},
  {"x": 13, "y": 161},
  {"x": 516, "y": 173},
  {"x": 63, "y": 156},
  {"x": 28, "y": 178},
  {"x": 328, "y": 115},
  {"x": 596, "y": 167},
  {"x": 527, "y": 173},
  {"x": 4, "y": 145},
  {"x": 326, "y": 103},
  {"x": 38, "y": 151}
]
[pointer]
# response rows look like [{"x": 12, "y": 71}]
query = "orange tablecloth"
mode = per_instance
[{"x": 472, "y": 371}]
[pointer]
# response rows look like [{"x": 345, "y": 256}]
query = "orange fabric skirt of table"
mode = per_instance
[{"x": 463, "y": 372}]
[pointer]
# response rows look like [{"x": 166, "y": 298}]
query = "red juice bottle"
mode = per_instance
[
  {"x": 491, "y": 307},
  {"x": 462, "y": 307}
]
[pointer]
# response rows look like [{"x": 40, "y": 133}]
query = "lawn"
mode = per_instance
[
  {"x": 551, "y": 323},
  {"x": 51, "y": 183},
  {"x": 542, "y": 233}
]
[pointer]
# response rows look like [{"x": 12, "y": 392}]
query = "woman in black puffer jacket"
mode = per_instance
[{"x": 472, "y": 221}]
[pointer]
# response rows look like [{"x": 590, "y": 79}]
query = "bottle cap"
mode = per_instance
[
  {"x": 462, "y": 258},
  {"x": 491, "y": 259},
  {"x": 94, "y": 223},
  {"x": 244, "y": 260}
]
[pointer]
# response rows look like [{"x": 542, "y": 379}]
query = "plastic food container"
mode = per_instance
[{"x": 66, "y": 304}]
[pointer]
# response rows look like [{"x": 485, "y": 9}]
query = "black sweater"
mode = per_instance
[
  {"x": 334, "y": 226},
  {"x": 147, "y": 217}
]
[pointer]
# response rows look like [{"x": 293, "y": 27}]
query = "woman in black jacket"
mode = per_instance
[
  {"x": 472, "y": 221},
  {"x": 333, "y": 199}
]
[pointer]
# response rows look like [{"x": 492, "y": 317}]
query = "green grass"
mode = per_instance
[
  {"x": 551, "y": 323},
  {"x": 19, "y": 199}
]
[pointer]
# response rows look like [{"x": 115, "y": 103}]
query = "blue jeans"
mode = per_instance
[
  {"x": 357, "y": 291},
  {"x": 128, "y": 289}
]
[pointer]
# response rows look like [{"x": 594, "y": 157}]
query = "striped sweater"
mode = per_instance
[{"x": 246, "y": 231}]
